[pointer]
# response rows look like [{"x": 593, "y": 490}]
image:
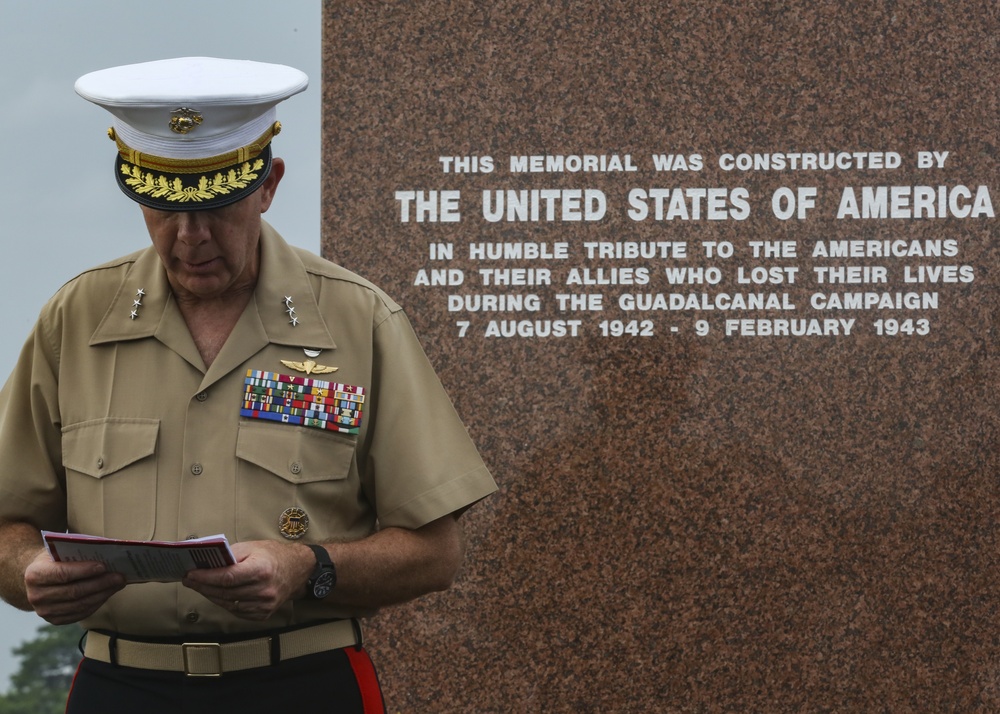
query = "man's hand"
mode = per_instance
[
  {"x": 63, "y": 593},
  {"x": 267, "y": 574},
  {"x": 389, "y": 567}
]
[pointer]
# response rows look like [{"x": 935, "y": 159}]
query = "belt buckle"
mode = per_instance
[{"x": 195, "y": 664}]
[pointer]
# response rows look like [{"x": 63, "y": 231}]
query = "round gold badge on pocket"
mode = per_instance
[{"x": 293, "y": 523}]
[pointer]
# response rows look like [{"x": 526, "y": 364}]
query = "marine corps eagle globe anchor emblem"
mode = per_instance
[{"x": 184, "y": 120}]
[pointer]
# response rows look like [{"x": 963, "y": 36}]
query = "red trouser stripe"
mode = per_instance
[
  {"x": 364, "y": 672},
  {"x": 73, "y": 683}
]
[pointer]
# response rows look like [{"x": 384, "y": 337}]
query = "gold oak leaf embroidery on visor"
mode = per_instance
[{"x": 175, "y": 190}]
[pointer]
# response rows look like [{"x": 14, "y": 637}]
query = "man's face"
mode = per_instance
[{"x": 212, "y": 253}]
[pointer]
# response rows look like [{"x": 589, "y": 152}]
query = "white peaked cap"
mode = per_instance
[{"x": 179, "y": 122}]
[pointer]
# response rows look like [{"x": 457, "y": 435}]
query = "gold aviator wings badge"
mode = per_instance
[{"x": 309, "y": 366}]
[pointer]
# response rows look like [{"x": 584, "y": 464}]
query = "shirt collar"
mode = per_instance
[
  {"x": 284, "y": 291},
  {"x": 284, "y": 282}
]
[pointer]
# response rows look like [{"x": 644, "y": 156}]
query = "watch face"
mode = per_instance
[{"x": 323, "y": 585}]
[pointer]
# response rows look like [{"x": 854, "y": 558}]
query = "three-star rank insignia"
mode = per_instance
[
  {"x": 293, "y": 523},
  {"x": 136, "y": 304}
]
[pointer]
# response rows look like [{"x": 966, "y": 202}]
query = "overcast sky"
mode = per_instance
[{"x": 62, "y": 209}]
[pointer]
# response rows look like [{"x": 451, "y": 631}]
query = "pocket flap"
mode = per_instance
[
  {"x": 104, "y": 446},
  {"x": 296, "y": 454}
]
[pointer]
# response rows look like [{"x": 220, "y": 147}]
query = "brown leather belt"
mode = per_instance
[{"x": 212, "y": 659}]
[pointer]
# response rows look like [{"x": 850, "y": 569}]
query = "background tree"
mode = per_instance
[{"x": 48, "y": 664}]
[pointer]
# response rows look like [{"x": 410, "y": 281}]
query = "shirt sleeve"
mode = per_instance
[
  {"x": 421, "y": 462},
  {"x": 32, "y": 481}
]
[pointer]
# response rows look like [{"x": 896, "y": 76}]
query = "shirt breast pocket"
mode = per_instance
[
  {"x": 282, "y": 467},
  {"x": 111, "y": 477}
]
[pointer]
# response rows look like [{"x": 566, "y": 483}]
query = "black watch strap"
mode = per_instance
[{"x": 324, "y": 576}]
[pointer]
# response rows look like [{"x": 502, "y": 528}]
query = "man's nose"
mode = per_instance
[{"x": 192, "y": 228}]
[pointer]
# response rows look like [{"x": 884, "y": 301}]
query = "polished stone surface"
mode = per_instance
[{"x": 685, "y": 522}]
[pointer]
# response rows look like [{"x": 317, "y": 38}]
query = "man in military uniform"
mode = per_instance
[{"x": 222, "y": 381}]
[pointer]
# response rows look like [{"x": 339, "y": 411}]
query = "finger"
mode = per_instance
[
  {"x": 45, "y": 572},
  {"x": 223, "y": 596},
  {"x": 246, "y": 609},
  {"x": 104, "y": 585},
  {"x": 60, "y": 611},
  {"x": 225, "y": 578},
  {"x": 250, "y": 611}
]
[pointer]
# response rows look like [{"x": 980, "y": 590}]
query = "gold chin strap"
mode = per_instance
[{"x": 195, "y": 166}]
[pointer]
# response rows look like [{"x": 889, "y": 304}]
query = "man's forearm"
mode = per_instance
[
  {"x": 19, "y": 544},
  {"x": 396, "y": 565}
]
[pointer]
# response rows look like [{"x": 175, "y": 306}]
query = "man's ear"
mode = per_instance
[{"x": 270, "y": 185}]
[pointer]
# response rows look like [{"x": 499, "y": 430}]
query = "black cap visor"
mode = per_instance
[{"x": 192, "y": 191}]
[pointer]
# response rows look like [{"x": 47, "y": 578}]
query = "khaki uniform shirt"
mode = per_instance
[{"x": 111, "y": 425}]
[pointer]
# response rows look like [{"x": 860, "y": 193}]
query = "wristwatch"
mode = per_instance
[{"x": 324, "y": 577}]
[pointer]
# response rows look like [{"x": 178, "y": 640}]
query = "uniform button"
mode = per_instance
[
  {"x": 100, "y": 463},
  {"x": 192, "y": 617},
  {"x": 196, "y": 469},
  {"x": 202, "y": 396},
  {"x": 295, "y": 468}
]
